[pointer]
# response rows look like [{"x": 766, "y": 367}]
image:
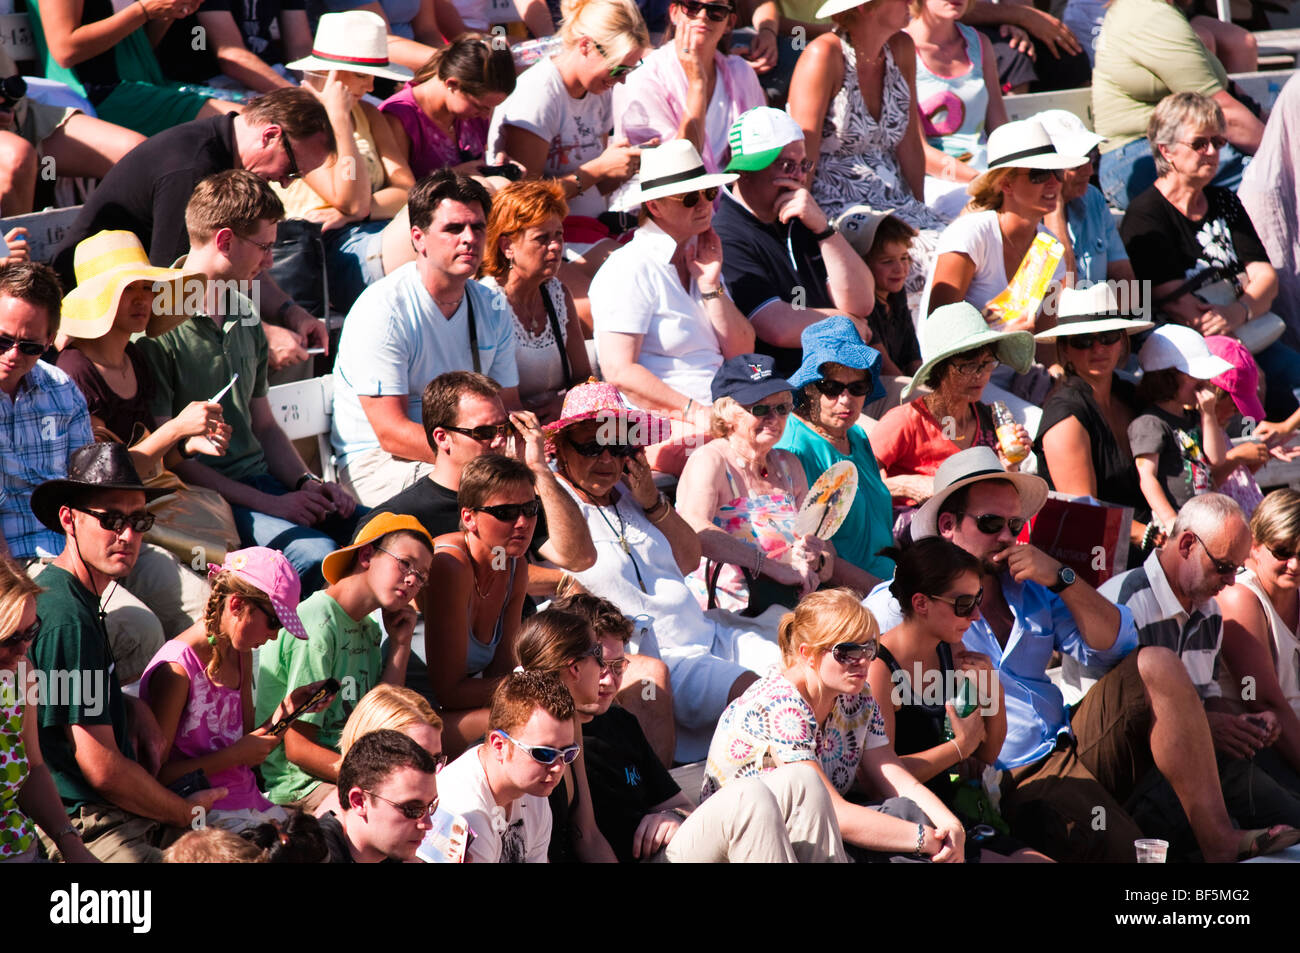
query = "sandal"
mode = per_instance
[{"x": 1258, "y": 843}]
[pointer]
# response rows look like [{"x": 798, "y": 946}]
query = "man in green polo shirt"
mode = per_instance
[{"x": 222, "y": 351}]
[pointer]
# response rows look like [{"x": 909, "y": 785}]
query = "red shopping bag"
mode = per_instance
[{"x": 1089, "y": 536}]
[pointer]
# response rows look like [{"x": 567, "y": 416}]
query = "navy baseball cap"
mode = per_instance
[{"x": 747, "y": 379}]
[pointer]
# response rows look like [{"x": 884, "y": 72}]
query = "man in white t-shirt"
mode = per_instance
[
  {"x": 425, "y": 319},
  {"x": 500, "y": 787}
]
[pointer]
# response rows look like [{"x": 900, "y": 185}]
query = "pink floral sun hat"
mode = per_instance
[{"x": 598, "y": 400}]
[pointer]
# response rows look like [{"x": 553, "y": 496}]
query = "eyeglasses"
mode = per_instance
[
  {"x": 991, "y": 525},
  {"x": 115, "y": 521},
  {"x": 1221, "y": 566},
  {"x": 766, "y": 410},
  {"x": 617, "y": 70},
  {"x": 294, "y": 172},
  {"x": 407, "y": 569},
  {"x": 543, "y": 754},
  {"x": 1083, "y": 342},
  {"x": 692, "y": 199},
  {"x": 835, "y": 388},
  {"x": 411, "y": 810},
  {"x": 1200, "y": 143},
  {"x": 716, "y": 12},
  {"x": 23, "y": 635},
  {"x": 1039, "y": 176},
  {"x": 976, "y": 368},
  {"x": 484, "y": 434},
  {"x": 594, "y": 448},
  {"x": 264, "y": 246},
  {"x": 791, "y": 166},
  {"x": 617, "y": 665},
  {"x": 847, "y": 652},
  {"x": 510, "y": 512},
  {"x": 25, "y": 348},
  {"x": 963, "y": 607},
  {"x": 1283, "y": 555}
]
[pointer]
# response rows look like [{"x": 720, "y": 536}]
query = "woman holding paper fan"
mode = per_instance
[{"x": 741, "y": 495}]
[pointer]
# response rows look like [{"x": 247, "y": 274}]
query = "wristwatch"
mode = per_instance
[
  {"x": 305, "y": 479},
  {"x": 822, "y": 236},
  {"x": 717, "y": 292},
  {"x": 1064, "y": 578}
]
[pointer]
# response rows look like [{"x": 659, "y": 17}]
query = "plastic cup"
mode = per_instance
[{"x": 1150, "y": 850}]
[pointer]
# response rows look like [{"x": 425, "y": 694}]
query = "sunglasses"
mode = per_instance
[
  {"x": 406, "y": 568},
  {"x": 484, "y": 434},
  {"x": 692, "y": 199},
  {"x": 1283, "y": 555},
  {"x": 24, "y": 635},
  {"x": 716, "y": 12},
  {"x": 991, "y": 525},
  {"x": 115, "y": 521},
  {"x": 543, "y": 754},
  {"x": 791, "y": 166},
  {"x": 594, "y": 448},
  {"x": 1039, "y": 176},
  {"x": 1221, "y": 566},
  {"x": 411, "y": 810},
  {"x": 847, "y": 652},
  {"x": 597, "y": 652},
  {"x": 618, "y": 70},
  {"x": 26, "y": 348},
  {"x": 765, "y": 410},
  {"x": 835, "y": 388},
  {"x": 294, "y": 172},
  {"x": 1083, "y": 342},
  {"x": 272, "y": 619},
  {"x": 1200, "y": 143},
  {"x": 509, "y": 512},
  {"x": 963, "y": 607}
]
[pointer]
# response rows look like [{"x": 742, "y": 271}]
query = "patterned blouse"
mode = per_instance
[
  {"x": 17, "y": 834},
  {"x": 771, "y": 725}
]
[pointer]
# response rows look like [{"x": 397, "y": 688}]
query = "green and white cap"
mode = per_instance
[{"x": 758, "y": 137}]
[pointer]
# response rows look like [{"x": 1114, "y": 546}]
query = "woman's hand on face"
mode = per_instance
[
  {"x": 705, "y": 262},
  {"x": 640, "y": 480},
  {"x": 693, "y": 51},
  {"x": 334, "y": 95}
]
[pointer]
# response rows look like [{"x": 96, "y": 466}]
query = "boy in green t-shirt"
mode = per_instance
[{"x": 384, "y": 569}]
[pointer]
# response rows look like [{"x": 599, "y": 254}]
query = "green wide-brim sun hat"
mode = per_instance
[{"x": 956, "y": 328}]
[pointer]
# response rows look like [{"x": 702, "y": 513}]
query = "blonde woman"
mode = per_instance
[
  {"x": 816, "y": 708},
  {"x": 28, "y": 796}
]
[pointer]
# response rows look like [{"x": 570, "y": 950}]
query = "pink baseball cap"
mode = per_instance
[
  {"x": 268, "y": 570},
  {"x": 1242, "y": 381}
]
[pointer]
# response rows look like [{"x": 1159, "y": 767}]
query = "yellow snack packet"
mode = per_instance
[{"x": 1024, "y": 295}]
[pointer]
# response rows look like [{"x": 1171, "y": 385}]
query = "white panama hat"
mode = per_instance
[
  {"x": 355, "y": 41},
  {"x": 1088, "y": 311},
  {"x": 676, "y": 167}
]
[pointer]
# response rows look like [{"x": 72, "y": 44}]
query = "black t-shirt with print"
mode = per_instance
[{"x": 625, "y": 776}]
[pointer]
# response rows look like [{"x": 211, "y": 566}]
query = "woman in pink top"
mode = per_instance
[{"x": 199, "y": 686}]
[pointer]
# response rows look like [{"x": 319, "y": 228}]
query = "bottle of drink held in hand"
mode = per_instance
[
  {"x": 965, "y": 702},
  {"x": 1008, "y": 437}
]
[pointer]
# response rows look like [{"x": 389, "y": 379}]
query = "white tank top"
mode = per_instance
[{"x": 1286, "y": 647}]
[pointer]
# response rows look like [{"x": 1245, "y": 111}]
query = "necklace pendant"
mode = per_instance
[{"x": 627, "y": 549}]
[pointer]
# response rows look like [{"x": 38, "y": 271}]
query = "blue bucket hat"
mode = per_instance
[{"x": 835, "y": 340}]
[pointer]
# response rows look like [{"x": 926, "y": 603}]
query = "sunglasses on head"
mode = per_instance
[
  {"x": 594, "y": 448},
  {"x": 509, "y": 512},
  {"x": 24, "y": 635},
  {"x": 115, "y": 521},
  {"x": 411, "y": 810},
  {"x": 764, "y": 410},
  {"x": 25, "y": 348},
  {"x": 617, "y": 70},
  {"x": 846, "y": 652},
  {"x": 1200, "y": 143},
  {"x": 1083, "y": 342},
  {"x": 716, "y": 12},
  {"x": 692, "y": 199},
  {"x": 835, "y": 388},
  {"x": 484, "y": 434},
  {"x": 962, "y": 606},
  {"x": 1039, "y": 176},
  {"x": 991, "y": 525},
  {"x": 544, "y": 754}
]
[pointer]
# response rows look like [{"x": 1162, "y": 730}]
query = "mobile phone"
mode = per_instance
[
  {"x": 331, "y": 687},
  {"x": 507, "y": 171},
  {"x": 188, "y": 784}
]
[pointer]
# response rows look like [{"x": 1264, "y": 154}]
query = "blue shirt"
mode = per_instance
[
  {"x": 1094, "y": 236},
  {"x": 1036, "y": 712},
  {"x": 46, "y": 420}
]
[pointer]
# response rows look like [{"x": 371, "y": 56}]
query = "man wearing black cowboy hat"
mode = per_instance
[{"x": 103, "y": 762}]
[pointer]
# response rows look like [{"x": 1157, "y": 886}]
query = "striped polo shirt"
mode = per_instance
[{"x": 1162, "y": 620}]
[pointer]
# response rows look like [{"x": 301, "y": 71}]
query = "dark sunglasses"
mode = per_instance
[
  {"x": 963, "y": 607},
  {"x": 294, "y": 172},
  {"x": 991, "y": 525},
  {"x": 1283, "y": 555},
  {"x": 597, "y": 652},
  {"x": 115, "y": 521},
  {"x": 835, "y": 388},
  {"x": 1083, "y": 342},
  {"x": 717, "y": 12},
  {"x": 1200, "y": 142},
  {"x": 764, "y": 410},
  {"x": 411, "y": 810},
  {"x": 1039, "y": 176},
  {"x": 617, "y": 70},
  {"x": 272, "y": 619},
  {"x": 484, "y": 434},
  {"x": 543, "y": 754},
  {"x": 1221, "y": 566},
  {"x": 26, "y": 348},
  {"x": 692, "y": 199},
  {"x": 846, "y": 652},
  {"x": 594, "y": 448},
  {"x": 24, "y": 635},
  {"x": 509, "y": 512},
  {"x": 791, "y": 166}
]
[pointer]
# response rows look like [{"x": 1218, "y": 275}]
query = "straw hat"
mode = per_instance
[
  {"x": 674, "y": 168},
  {"x": 356, "y": 41},
  {"x": 1088, "y": 311},
  {"x": 1024, "y": 144},
  {"x": 957, "y": 328},
  {"x": 105, "y": 263},
  {"x": 971, "y": 466}
]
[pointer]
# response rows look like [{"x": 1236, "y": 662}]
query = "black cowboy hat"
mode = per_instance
[{"x": 96, "y": 466}]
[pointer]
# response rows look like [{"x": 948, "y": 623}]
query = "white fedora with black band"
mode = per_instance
[
  {"x": 1026, "y": 145},
  {"x": 674, "y": 168},
  {"x": 355, "y": 41},
  {"x": 973, "y": 466},
  {"x": 1090, "y": 310}
]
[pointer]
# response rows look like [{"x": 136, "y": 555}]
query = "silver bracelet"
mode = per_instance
[
  {"x": 758, "y": 561},
  {"x": 953, "y": 742},
  {"x": 920, "y": 840}
]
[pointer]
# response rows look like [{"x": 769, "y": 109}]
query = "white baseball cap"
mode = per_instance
[
  {"x": 758, "y": 136},
  {"x": 1067, "y": 132},
  {"x": 1173, "y": 345}
]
